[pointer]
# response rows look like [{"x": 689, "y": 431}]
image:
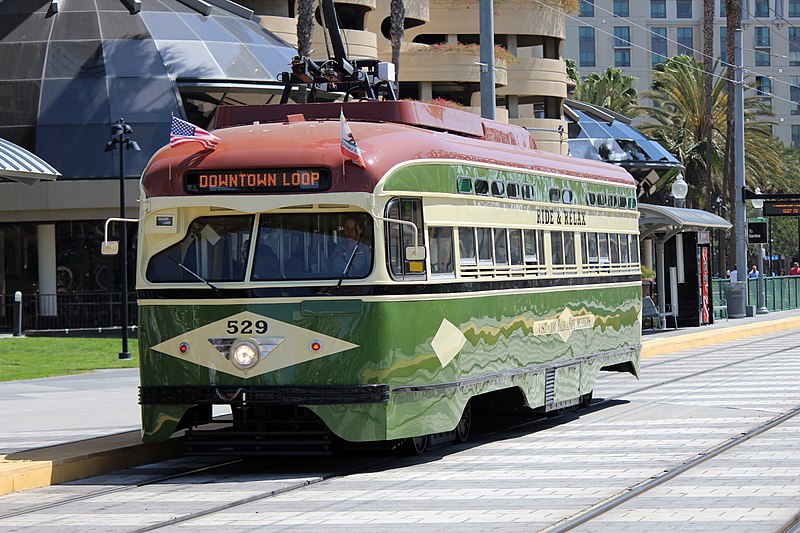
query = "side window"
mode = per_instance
[
  {"x": 527, "y": 192},
  {"x": 214, "y": 248},
  {"x": 466, "y": 247},
  {"x": 482, "y": 187},
  {"x": 557, "y": 247},
  {"x": 591, "y": 246},
  {"x": 515, "y": 244},
  {"x": 531, "y": 247},
  {"x": 484, "y": 246},
  {"x": 569, "y": 248},
  {"x": 441, "y": 243},
  {"x": 399, "y": 236},
  {"x": 591, "y": 198},
  {"x": 623, "y": 249},
  {"x": 567, "y": 197},
  {"x": 602, "y": 239},
  {"x": 634, "y": 240},
  {"x": 500, "y": 247},
  {"x": 555, "y": 194},
  {"x": 498, "y": 189},
  {"x": 614, "y": 248},
  {"x": 513, "y": 189}
]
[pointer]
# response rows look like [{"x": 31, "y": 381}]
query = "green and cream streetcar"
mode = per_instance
[{"x": 278, "y": 277}]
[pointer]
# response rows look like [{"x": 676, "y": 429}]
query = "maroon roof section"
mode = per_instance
[
  {"x": 409, "y": 112},
  {"x": 303, "y": 143}
]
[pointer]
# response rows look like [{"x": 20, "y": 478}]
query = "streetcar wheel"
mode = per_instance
[
  {"x": 586, "y": 399},
  {"x": 465, "y": 424},
  {"x": 414, "y": 445}
]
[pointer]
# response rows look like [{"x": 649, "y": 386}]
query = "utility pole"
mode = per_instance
[
  {"x": 487, "y": 59},
  {"x": 741, "y": 221}
]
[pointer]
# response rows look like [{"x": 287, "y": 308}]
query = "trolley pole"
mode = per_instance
[{"x": 487, "y": 58}]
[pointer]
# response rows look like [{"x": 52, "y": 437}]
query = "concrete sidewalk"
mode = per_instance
[{"x": 73, "y": 427}]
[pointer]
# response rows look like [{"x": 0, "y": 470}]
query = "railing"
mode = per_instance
[
  {"x": 780, "y": 292},
  {"x": 66, "y": 311}
]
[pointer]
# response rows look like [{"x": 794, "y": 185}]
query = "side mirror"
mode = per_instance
[
  {"x": 415, "y": 253},
  {"x": 109, "y": 248}
]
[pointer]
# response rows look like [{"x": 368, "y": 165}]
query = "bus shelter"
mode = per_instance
[{"x": 682, "y": 239}]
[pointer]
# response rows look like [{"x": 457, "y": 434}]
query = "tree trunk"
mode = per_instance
[
  {"x": 305, "y": 31},
  {"x": 397, "y": 21},
  {"x": 734, "y": 18},
  {"x": 708, "y": 63}
]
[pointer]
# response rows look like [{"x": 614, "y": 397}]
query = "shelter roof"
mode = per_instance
[
  {"x": 18, "y": 164},
  {"x": 662, "y": 219}
]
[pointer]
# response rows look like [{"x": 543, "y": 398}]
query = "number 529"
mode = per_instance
[{"x": 246, "y": 327}]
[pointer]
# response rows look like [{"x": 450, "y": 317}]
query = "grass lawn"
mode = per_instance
[{"x": 41, "y": 357}]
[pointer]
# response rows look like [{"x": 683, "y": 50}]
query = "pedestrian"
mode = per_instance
[
  {"x": 753, "y": 274},
  {"x": 795, "y": 270}
]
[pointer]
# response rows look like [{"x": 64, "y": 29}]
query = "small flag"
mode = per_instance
[
  {"x": 349, "y": 147},
  {"x": 183, "y": 132}
]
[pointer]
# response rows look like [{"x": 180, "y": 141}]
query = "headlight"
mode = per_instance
[{"x": 244, "y": 355}]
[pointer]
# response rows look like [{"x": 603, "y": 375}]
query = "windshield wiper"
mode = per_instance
[
  {"x": 216, "y": 290},
  {"x": 349, "y": 262}
]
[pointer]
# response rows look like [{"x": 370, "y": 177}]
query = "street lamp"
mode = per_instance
[
  {"x": 120, "y": 139},
  {"x": 679, "y": 190},
  {"x": 758, "y": 205}
]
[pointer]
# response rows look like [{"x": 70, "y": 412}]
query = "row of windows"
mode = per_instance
[
  {"x": 762, "y": 43},
  {"x": 683, "y": 8},
  {"x": 514, "y": 251},
  {"x": 556, "y": 195}
]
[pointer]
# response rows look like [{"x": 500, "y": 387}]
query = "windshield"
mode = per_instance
[
  {"x": 288, "y": 247},
  {"x": 313, "y": 246}
]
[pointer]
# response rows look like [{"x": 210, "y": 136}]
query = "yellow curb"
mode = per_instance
[
  {"x": 78, "y": 460},
  {"x": 651, "y": 348}
]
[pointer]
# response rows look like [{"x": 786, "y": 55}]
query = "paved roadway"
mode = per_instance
[{"x": 688, "y": 405}]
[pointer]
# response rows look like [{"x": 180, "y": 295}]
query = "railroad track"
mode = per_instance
[{"x": 527, "y": 426}]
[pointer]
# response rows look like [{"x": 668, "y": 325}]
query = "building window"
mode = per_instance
[
  {"x": 762, "y": 58},
  {"x": 622, "y": 8},
  {"x": 658, "y": 9},
  {"x": 794, "y": 46},
  {"x": 794, "y": 8},
  {"x": 586, "y": 46},
  {"x": 658, "y": 44},
  {"x": 723, "y": 44},
  {"x": 764, "y": 89},
  {"x": 722, "y": 9},
  {"x": 587, "y": 8},
  {"x": 794, "y": 95},
  {"x": 622, "y": 37},
  {"x": 796, "y": 135},
  {"x": 686, "y": 41},
  {"x": 762, "y": 8},
  {"x": 684, "y": 9},
  {"x": 622, "y": 46},
  {"x": 761, "y": 37}
]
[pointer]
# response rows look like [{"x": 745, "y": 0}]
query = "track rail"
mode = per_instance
[
  {"x": 630, "y": 493},
  {"x": 793, "y": 526}
]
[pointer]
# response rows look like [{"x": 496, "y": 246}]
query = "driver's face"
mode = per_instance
[{"x": 351, "y": 229}]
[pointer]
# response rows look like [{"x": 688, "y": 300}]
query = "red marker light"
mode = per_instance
[
  {"x": 315, "y": 346},
  {"x": 184, "y": 347}
]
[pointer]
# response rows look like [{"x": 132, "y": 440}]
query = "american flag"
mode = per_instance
[{"x": 185, "y": 132}]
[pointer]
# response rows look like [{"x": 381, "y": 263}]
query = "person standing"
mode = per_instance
[
  {"x": 753, "y": 274},
  {"x": 795, "y": 270}
]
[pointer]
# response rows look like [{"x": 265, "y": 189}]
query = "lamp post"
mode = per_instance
[
  {"x": 679, "y": 190},
  {"x": 120, "y": 140},
  {"x": 758, "y": 205}
]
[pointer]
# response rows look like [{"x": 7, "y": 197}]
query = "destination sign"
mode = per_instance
[
  {"x": 782, "y": 209},
  {"x": 257, "y": 181}
]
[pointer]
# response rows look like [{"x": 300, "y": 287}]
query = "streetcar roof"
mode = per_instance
[{"x": 303, "y": 142}]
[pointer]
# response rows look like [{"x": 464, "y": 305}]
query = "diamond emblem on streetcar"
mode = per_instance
[{"x": 284, "y": 345}]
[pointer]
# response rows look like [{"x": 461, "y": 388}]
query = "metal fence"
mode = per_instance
[
  {"x": 67, "y": 311},
  {"x": 780, "y": 292}
]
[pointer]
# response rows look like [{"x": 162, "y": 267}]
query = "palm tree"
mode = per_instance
[
  {"x": 397, "y": 21},
  {"x": 677, "y": 120},
  {"x": 611, "y": 89},
  {"x": 733, "y": 13},
  {"x": 305, "y": 32}
]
